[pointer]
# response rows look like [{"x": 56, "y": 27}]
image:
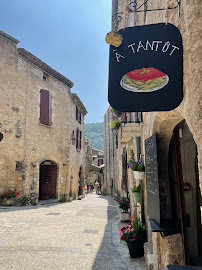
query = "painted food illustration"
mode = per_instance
[{"x": 144, "y": 80}]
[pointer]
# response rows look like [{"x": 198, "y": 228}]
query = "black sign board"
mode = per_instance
[
  {"x": 152, "y": 184},
  {"x": 146, "y": 71}
]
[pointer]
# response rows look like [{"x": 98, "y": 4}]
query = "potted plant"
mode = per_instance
[
  {"x": 124, "y": 204},
  {"x": 137, "y": 193},
  {"x": 8, "y": 198},
  {"x": 134, "y": 235},
  {"x": 138, "y": 168},
  {"x": 115, "y": 124}
]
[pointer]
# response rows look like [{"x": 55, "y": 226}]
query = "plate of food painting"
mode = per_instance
[{"x": 144, "y": 80}]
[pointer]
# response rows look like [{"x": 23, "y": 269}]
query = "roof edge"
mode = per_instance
[{"x": 16, "y": 41}]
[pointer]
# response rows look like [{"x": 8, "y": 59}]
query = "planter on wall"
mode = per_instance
[
  {"x": 138, "y": 175},
  {"x": 8, "y": 202},
  {"x": 135, "y": 247},
  {"x": 124, "y": 217},
  {"x": 137, "y": 197}
]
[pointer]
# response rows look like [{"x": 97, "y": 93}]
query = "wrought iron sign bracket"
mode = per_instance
[
  {"x": 116, "y": 17},
  {"x": 136, "y": 9}
]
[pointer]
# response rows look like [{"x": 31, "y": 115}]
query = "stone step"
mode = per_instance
[{"x": 148, "y": 254}]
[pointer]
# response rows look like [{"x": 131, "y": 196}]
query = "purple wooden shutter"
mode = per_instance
[
  {"x": 45, "y": 107},
  {"x": 80, "y": 139}
]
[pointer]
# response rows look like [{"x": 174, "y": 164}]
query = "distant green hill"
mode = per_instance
[{"x": 95, "y": 133}]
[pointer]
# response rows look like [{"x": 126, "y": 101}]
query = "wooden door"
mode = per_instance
[{"x": 48, "y": 180}]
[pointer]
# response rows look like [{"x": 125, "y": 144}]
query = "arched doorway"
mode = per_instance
[
  {"x": 47, "y": 180},
  {"x": 185, "y": 191}
]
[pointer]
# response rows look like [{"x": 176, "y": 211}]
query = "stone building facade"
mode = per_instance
[
  {"x": 179, "y": 148},
  {"x": 37, "y": 117},
  {"x": 94, "y": 164}
]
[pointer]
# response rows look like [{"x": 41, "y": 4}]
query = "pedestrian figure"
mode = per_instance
[{"x": 96, "y": 187}]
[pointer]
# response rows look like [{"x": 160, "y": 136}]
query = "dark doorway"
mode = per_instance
[
  {"x": 47, "y": 180},
  {"x": 185, "y": 190},
  {"x": 81, "y": 182},
  {"x": 71, "y": 186}
]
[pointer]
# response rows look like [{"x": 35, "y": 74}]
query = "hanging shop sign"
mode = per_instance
[
  {"x": 146, "y": 71},
  {"x": 131, "y": 130}
]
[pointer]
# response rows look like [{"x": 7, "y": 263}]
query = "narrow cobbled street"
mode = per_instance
[{"x": 82, "y": 234}]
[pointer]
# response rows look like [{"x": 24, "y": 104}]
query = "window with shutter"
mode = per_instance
[
  {"x": 45, "y": 107},
  {"x": 80, "y": 139},
  {"x": 77, "y": 113},
  {"x": 80, "y": 117},
  {"x": 77, "y": 138}
]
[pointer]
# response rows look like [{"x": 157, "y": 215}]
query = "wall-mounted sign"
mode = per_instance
[
  {"x": 146, "y": 71},
  {"x": 131, "y": 130}
]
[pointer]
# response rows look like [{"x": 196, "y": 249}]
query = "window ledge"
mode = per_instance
[
  {"x": 45, "y": 125},
  {"x": 163, "y": 229}
]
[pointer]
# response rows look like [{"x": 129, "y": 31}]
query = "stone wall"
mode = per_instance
[
  {"x": 110, "y": 157},
  {"x": 25, "y": 139}
]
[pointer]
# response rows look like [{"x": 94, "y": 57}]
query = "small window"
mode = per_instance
[
  {"x": 1, "y": 136},
  {"x": 45, "y": 107},
  {"x": 80, "y": 139},
  {"x": 80, "y": 117},
  {"x": 45, "y": 77},
  {"x": 77, "y": 138}
]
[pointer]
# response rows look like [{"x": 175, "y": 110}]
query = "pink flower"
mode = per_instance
[
  {"x": 122, "y": 237},
  {"x": 134, "y": 236},
  {"x": 131, "y": 217},
  {"x": 6, "y": 196},
  {"x": 120, "y": 232}
]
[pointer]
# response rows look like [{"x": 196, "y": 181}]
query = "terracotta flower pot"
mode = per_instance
[
  {"x": 138, "y": 175},
  {"x": 137, "y": 197},
  {"x": 135, "y": 247}
]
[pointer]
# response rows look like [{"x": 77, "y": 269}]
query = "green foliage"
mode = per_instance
[
  {"x": 115, "y": 124},
  {"x": 136, "y": 189},
  {"x": 135, "y": 230},
  {"x": 124, "y": 204},
  {"x": 63, "y": 198},
  {"x": 95, "y": 133},
  {"x": 136, "y": 166},
  {"x": 10, "y": 194}
]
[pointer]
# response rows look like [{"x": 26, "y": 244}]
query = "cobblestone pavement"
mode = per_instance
[{"x": 82, "y": 234}]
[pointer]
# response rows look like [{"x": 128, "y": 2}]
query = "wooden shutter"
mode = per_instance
[
  {"x": 45, "y": 107},
  {"x": 77, "y": 112},
  {"x": 124, "y": 118},
  {"x": 80, "y": 117},
  {"x": 80, "y": 139},
  {"x": 77, "y": 138}
]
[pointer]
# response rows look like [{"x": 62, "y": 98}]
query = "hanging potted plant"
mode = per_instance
[
  {"x": 124, "y": 204},
  {"x": 115, "y": 124},
  {"x": 138, "y": 168},
  {"x": 134, "y": 235},
  {"x": 137, "y": 193}
]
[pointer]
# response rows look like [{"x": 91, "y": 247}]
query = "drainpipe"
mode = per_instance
[{"x": 137, "y": 138}]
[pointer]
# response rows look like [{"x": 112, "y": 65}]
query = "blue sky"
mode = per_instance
[{"x": 69, "y": 36}]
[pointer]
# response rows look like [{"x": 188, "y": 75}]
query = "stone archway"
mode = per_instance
[{"x": 47, "y": 180}]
